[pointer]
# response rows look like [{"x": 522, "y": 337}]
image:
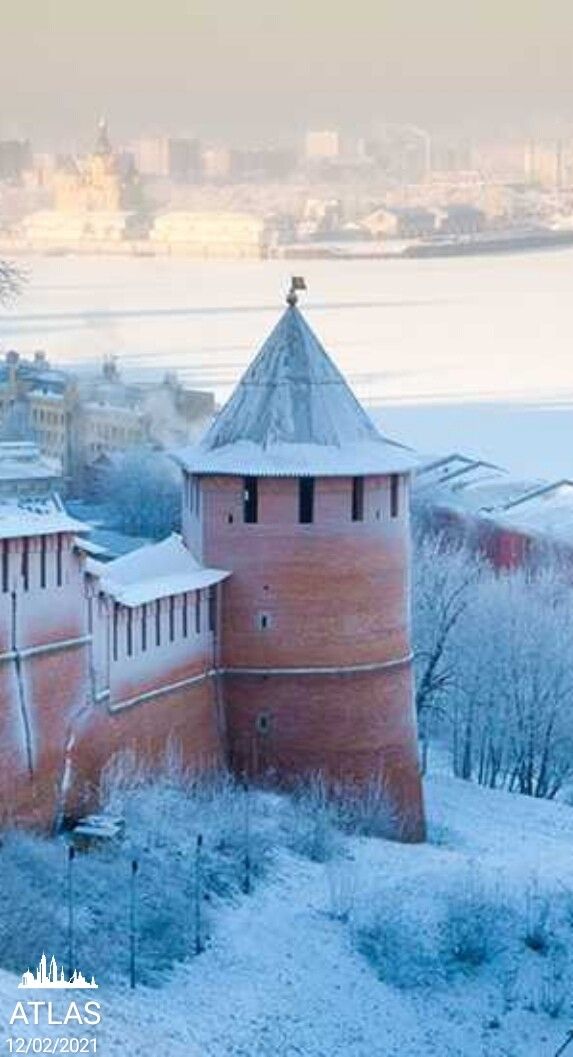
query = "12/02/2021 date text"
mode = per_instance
[{"x": 40, "y": 1044}]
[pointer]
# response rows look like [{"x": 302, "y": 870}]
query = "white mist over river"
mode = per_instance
[{"x": 471, "y": 354}]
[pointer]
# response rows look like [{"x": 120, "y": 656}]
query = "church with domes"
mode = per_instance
[{"x": 100, "y": 182}]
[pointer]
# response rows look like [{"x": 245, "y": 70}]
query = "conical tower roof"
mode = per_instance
[{"x": 293, "y": 414}]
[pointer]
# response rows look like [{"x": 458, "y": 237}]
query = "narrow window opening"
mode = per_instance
[
  {"x": 306, "y": 500},
  {"x": 144, "y": 628},
  {"x": 59, "y": 562},
  {"x": 158, "y": 622},
  {"x": 129, "y": 632},
  {"x": 185, "y": 616},
  {"x": 43, "y": 547},
  {"x": 250, "y": 500},
  {"x": 26, "y": 563},
  {"x": 5, "y": 567},
  {"x": 230, "y": 519},
  {"x": 358, "y": 499},
  {"x": 212, "y": 608},
  {"x": 198, "y": 612},
  {"x": 115, "y": 630},
  {"x": 171, "y": 618},
  {"x": 394, "y": 495}
]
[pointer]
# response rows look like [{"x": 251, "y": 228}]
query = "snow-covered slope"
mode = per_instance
[{"x": 284, "y": 975}]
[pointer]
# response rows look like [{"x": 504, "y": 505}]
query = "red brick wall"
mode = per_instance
[
  {"x": 334, "y": 593},
  {"x": 356, "y": 729},
  {"x": 52, "y": 706},
  {"x": 187, "y": 719}
]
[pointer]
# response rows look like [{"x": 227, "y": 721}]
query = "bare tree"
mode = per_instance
[{"x": 443, "y": 578}]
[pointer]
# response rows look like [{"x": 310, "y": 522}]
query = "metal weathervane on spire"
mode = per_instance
[{"x": 297, "y": 283}]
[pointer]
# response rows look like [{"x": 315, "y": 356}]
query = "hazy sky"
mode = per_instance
[{"x": 256, "y": 67}]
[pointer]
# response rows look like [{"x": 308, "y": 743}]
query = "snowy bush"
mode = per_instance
[
  {"x": 312, "y": 820},
  {"x": 556, "y": 981},
  {"x": 368, "y": 811},
  {"x": 178, "y": 884},
  {"x": 537, "y": 935},
  {"x": 321, "y": 811},
  {"x": 414, "y": 940},
  {"x": 401, "y": 947},
  {"x": 345, "y": 885},
  {"x": 476, "y": 925},
  {"x": 165, "y": 814}
]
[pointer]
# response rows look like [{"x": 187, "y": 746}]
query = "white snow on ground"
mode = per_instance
[{"x": 282, "y": 977}]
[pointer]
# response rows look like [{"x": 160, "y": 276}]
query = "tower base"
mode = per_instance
[{"x": 354, "y": 730}]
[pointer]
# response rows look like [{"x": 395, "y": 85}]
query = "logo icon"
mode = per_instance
[{"x": 51, "y": 977}]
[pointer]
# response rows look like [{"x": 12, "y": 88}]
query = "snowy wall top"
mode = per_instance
[
  {"x": 293, "y": 414},
  {"x": 546, "y": 512},
  {"x": 468, "y": 485},
  {"x": 155, "y": 571},
  {"x": 35, "y": 516}
]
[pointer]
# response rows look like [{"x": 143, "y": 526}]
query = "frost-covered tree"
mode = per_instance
[
  {"x": 494, "y": 667},
  {"x": 513, "y": 717},
  {"x": 142, "y": 488},
  {"x": 443, "y": 578}
]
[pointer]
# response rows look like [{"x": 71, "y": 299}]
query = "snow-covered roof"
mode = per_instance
[
  {"x": 88, "y": 546},
  {"x": 545, "y": 512},
  {"x": 155, "y": 571},
  {"x": 293, "y": 414},
  {"x": 35, "y": 516},
  {"x": 469, "y": 485},
  {"x": 22, "y": 460},
  {"x": 443, "y": 469}
]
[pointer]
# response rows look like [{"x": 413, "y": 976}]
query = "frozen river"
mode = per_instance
[{"x": 474, "y": 354}]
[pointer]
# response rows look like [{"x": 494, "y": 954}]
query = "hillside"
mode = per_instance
[{"x": 357, "y": 957}]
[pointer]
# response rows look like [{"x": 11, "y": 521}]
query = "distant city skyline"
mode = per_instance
[{"x": 257, "y": 71}]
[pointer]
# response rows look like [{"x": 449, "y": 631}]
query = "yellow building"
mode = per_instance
[
  {"x": 218, "y": 235},
  {"x": 96, "y": 183}
]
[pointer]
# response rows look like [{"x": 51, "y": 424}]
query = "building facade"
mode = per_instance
[
  {"x": 97, "y": 183},
  {"x": 273, "y": 635},
  {"x": 225, "y": 235},
  {"x": 78, "y": 418}
]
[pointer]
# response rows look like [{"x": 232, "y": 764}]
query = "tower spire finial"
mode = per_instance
[{"x": 297, "y": 283}]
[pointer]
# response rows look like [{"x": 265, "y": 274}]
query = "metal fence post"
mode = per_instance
[
  {"x": 247, "y": 884},
  {"x": 198, "y": 894},
  {"x": 71, "y": 921},
  {"x": 132, "y": 924}
]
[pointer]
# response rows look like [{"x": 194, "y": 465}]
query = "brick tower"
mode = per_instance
[{"x": 295, "y": 491}]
